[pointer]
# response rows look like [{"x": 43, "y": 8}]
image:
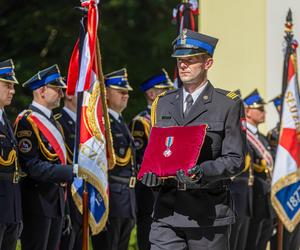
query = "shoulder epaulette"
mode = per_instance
[
  {"x": 230, "y": 94},
  {"x": 154, "y": 107},
  {"x": 57, "y": 116}
]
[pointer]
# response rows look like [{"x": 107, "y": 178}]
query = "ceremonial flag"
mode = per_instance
[
  {"x": 286, "y": 183},
  {"x": 94, "y": 153}
]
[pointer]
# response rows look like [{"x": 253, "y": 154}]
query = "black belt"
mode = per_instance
[
  {"x": 13, "y": 177},
  {"x": 130, "y": 181},
  {"x": 172, "y": 182}
]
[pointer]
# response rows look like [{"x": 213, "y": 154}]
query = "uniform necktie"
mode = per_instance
[{"x": 189, "y": 103}]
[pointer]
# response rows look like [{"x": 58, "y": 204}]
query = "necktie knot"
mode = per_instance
[
  {"x": 189, "y": 102},
  {"x": 189, "y": 99}
]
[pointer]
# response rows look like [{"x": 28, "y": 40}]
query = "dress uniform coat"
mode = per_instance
[
  {"x": 221, "y": 157},
  {"x": 42, "y": 190},
  {"x": 10, "y": 194},
  {"x": 261, "y": 224},
  {"x": 74, "y": 240},
  {"x": 241, "y": 189},
  {"x": 122, "y": 205},
  {"x": 140, "y": 130}
]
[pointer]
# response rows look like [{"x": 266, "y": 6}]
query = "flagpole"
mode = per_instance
[
  {"x": 85, "y": 222},
  {"x": 288, "y": 38}
]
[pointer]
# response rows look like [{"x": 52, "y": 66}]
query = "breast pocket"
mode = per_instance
[
  {"x": 215, "y": 135},
  {"x": 5, "y": 147}
]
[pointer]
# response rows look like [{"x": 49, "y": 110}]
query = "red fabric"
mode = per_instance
[
  {"x": 186, "y": 147},
  {"x": 50, "y": 137},
  {"x": 73, "y": 72},
  {"x": 289, "y": 141}
]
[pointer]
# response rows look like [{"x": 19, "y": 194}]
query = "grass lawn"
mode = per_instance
[{"x": 132, "y": 242}]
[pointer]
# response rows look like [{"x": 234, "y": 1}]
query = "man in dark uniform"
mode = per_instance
[
  {"x": 261, "y": 223},
  {"x": 43, "y": 157},
  {"x": 10, "y": 195},
  {"x": 140, "y": 130},
  {"x": 72, "y": 230},
  {"x": 122, "y": 207},
  {"x": 196, "y": 211},
  {"x": 273, "y": 134},
  {"x": 241, "y": 189},
  {"x": 291, "y": 240}
]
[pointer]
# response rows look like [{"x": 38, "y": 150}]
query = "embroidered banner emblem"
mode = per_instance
[{"x": 168, "y": 143}]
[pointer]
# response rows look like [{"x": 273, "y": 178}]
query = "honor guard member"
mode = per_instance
[
  {"x": 261, "y": 223},
  {"x": 140, "y": 130},
  {"x": 291, "y": 240},
  {"x": 273, "y": 135},
  {"x": 122, "y": 207},
  {"x": 10, "y": 194},
  {"x": 241, "y": 189},
  {"x": 196, "y": 211},
  {"x": 43, "y": 157},
  {"x": 72, "y": 238}
]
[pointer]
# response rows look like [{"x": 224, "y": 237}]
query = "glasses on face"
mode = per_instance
[
  {"x": 261, "y": 109},
  {"x": 56, "y": 89}
]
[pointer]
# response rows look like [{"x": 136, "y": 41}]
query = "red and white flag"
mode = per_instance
[{"x": 286, "y": 182}]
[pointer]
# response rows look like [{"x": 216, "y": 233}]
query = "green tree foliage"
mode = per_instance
[{"x": 134, "y": 34}]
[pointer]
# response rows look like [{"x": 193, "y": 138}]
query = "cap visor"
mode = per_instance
[{"x": 187, "y": 53}]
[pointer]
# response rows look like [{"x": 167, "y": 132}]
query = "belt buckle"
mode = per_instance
[
  {"x": 132, "y": 182},
  {"x": 16, "y": 178},
  {"x": 181, "y": 186}
]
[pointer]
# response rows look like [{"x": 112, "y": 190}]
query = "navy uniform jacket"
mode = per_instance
[
  {"x": 241, "y": 188},
  {"x": 121, "y": 197},
  {"x": 140, "y": 130},
  {"x": 68, "y": 127},
  {"x": 221, "y": 157},
  {"x": 262, "y": 207},
  {"x": 273, "y": 137},
  {"x": 10, "y": 195},
  {"x": 42, "y": 190}
]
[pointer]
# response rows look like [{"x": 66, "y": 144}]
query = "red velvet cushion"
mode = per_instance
[{"x": 184, "y": 143}]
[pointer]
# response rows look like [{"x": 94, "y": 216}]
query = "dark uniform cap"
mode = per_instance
[
  {"x": 7, "y": 73},
  {"x": 190, "y": 43},
  {"x": 277, "y": 101},
  {"x": 254, "y": 100},
  {"x": 117, "y": 80},
  {"x": 50, "y": 76},
  {"x": 159, "y": 81}
]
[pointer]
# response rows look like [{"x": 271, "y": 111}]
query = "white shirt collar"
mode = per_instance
[
  {"x": 252, "y": 128},
  {"x": 195, "y": 94},
  {"x": 71, "y": 113},
  {"x": 115, "y": 114},
  {"x": 45, "y": 110}
]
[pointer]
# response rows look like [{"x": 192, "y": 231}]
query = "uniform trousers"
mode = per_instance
[
  {"x": 116, "y": 236},
  {"x": 73, "y": 241},
  {"x": 166, "y": 237},
  {"x": 260, "y": 232},
  {"x": 41, "y": 233},
  {"x": 239, "y": 233},
  {"x": 144, "y": 222},
  {"x": 9, "y": 234}
]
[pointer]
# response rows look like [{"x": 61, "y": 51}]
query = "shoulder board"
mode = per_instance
[
  {"x": 154, "y": 107},
  {"x": 230, "y": 94},
  {"x": 25, "y": 113},
  {"x": 167, "y": 92},
  {"x": 57, "y": 116}
]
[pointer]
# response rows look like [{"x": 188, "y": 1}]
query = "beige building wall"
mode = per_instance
[{"x": 249, "y": 54}]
